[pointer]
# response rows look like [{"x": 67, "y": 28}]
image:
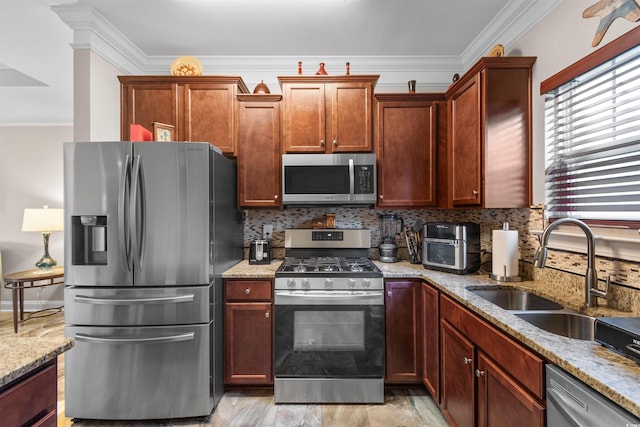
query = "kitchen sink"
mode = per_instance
[
  {"x": 514, "y": 299},
  {"x": 568, "y": 324}
]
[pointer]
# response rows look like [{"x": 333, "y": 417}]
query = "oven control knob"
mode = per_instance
[
  {"x": 366, "y": 283},
  {"x": 291, "y": 283},
  {"x": 328, "y": 283},
  {"x": 352, "y": 283},
  {"x": 305, "y": 283}
]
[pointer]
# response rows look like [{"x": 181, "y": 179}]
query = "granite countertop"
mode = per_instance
[
  {"x": 21, "y": 355},
  {"x": 609, "y": 373}
]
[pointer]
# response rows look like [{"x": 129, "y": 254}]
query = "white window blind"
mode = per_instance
[{"x": 592, "y": 138}]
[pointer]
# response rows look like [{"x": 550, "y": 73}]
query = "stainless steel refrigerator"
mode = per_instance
[{"x": 149, "y": 229}]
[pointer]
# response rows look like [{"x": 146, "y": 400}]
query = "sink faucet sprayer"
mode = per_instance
[{"x": 590, "y": 278}]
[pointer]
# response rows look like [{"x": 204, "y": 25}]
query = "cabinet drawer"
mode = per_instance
[
  {"x": 521, "y": 363},
  {"x": 248, "y": 290},
  {"x": 31, "y": 399}
]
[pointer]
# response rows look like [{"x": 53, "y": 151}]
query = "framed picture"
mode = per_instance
[{"x": 162, "y": 132}]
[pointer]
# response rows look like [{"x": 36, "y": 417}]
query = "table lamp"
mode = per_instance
[{"x": 44, "y": 220}]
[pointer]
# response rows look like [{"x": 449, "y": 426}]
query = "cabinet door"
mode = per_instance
[
  {"x": 145, "y": 103},
  {"x": 247, "y": 343},
  {"x": 458, "y": 399},
  {"x": 430, "y": 341},
  {"x": 465, "y": 146},
  {"x": 403, "y": 340},
  {"x": 259, "y": 171},
  {"x": 350, "y": 120},
  {"x": 209, "y": 115},
  {"x": 406, "y": 152},
  {"x": 501, "y": 401},
  {"x": 304, "y": 118}
]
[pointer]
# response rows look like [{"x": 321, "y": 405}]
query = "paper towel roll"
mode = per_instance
[{"x": 505, "y": 253}]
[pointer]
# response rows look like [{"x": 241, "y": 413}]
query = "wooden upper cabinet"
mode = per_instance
[
  {"x": 144, "y": 102},
  {"x": 328, "y": 114},
  {"x": 406, "y": 141},
  {"x": 202, "y": 108},
  {"x": 489, "y": 145},
  {"x": 259, "y": 160}
]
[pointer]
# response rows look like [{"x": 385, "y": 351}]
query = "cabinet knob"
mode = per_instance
[
  {"x": 335, "y": 142},
  {"x": 388, "y": 293},
  {"x": 467, "y": 361},
  {"x": 322, "y": 142},
  {"x": 247, "y": 291},
  {"x": 267, "y": 314},
  {"x": 479, "y": 373},
  {"x": 380, "y": 197},
  {"x": 275, "y": 197},
  {"x": 475, "y": 193}
]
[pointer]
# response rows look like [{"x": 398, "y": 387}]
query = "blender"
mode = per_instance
[{"x": 390, "y": 227}]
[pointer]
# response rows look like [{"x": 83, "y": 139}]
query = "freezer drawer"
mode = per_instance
[
  {"x": 138, "y": 373},
  {"x": 137, "y": 306}
]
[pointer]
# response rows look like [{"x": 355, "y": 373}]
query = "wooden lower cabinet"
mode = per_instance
[
  {"x": 248, "y": 332},
  {"x": 403, "y": 341},
  {"x": 431, "y": 340},
  {"x": 487, "y": 378},
  {"x": 457, "y": 377},
  {"x": 501, "y": 401},
  {"x": 31, "y": 400}
]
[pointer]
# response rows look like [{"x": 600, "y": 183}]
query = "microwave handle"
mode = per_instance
[{"x": 351, "y": 177}]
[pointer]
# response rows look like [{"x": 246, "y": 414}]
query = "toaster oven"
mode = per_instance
[{"x": 451, "y": 247}]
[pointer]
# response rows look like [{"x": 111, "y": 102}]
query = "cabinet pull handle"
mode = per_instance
[
  {"x": 267, "y": 314},
  {"x": 322, "y": 142},
  {"x": 247, "y": 291},
  {"x": 335, "y": 142},
  {"x": 467, "y": 360},
  {"x": 479, "y": 373}
]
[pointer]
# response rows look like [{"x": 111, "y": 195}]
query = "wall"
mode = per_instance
[{"x": 30, "y": 177}]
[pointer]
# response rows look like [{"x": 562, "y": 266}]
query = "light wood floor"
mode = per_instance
[{"x": 402, "y": 408}]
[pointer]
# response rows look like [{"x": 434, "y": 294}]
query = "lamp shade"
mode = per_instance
[{"x": 43, "y": 219}]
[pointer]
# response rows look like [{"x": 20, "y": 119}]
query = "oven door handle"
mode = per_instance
[{"x": 328, "y": 298}]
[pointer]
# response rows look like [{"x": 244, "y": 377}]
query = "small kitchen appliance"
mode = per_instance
[
  {"x": 390, "y": 228},
  {"x": 260, "y": 252},
  {"x": 621, "y": 334},
  {"x": 451, "y": 247},
  {"x": 329, "y": 319}
]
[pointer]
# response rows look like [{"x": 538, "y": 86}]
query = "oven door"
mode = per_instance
[
  {"x": 329, "y": 347},
  {"x": 334, "y": 334}
]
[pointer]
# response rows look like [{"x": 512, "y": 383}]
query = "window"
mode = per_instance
[
  {"x": 592, "y": 144},
  {"x": 592, "y": 138}
]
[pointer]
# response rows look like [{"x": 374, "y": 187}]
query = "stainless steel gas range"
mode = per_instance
[{"x": 329, "y": 319}]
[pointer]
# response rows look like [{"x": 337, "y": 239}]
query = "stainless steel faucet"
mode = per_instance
[{"x": 591, "y": 277}]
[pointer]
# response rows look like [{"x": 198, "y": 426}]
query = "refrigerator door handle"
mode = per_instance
[
  {"x": 137, "y": 213},
  {"x": 129, "y": 301},
  {"x": 189, "y": 336},
  {"x": 123, "y": 207}
]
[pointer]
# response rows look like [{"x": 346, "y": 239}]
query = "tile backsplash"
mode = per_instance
[{"x": 566, "y": 267}]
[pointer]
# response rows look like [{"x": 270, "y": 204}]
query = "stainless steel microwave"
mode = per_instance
[{"x": 329, "y": 179}]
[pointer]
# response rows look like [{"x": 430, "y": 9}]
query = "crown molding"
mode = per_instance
[
  {"x": 511, "y": 23},
  {"x": 433, "y": 73}
]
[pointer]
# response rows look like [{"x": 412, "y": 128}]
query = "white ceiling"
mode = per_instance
[{"x": 35, "y": 42}]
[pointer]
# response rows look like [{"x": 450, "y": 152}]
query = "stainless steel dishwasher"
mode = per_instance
[{"x": 572, "y": 403}]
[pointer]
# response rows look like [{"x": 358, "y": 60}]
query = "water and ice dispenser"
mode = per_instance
[{"x": 89, "y": 235}]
